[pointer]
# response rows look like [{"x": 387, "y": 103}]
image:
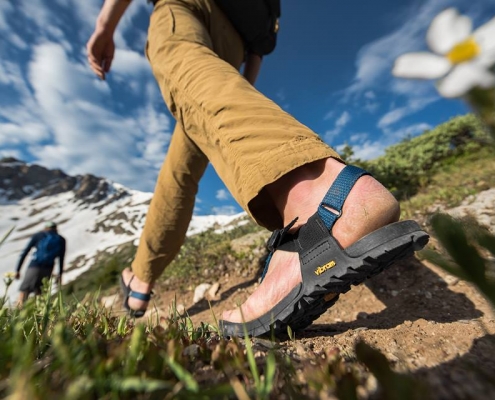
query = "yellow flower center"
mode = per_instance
[{"x": 464, "y": 51}]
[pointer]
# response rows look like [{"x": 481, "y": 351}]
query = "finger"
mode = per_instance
[
  {"x": 107, "y": 63},
  {"x": 96, "y": 64},
  {"x": 97, "y": 69}
]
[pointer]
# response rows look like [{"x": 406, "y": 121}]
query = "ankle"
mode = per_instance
[
  {"x": 368, "y": 207},
  {"x": 136, "y": 284},
  {"x": 290, "y": 193}
]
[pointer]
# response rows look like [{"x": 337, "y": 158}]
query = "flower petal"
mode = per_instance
[
  {"x": 421, "y": 65},
  {"x": 447, "y": 29},
  {"x": 463, "y": 78},
  {"x": 485, "y": 37}
]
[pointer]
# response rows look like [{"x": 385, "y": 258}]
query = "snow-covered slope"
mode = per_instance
[{"x": 93, "y": 217}]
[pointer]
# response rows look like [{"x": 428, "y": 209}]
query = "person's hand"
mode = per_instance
[
  {"x": 17, "y": 275},
  {"x": 101, "y": 49}
]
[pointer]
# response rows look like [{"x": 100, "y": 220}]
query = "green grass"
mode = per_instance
[
  {"x": 59, "y": 348},
  {"x": 63, "y": 347},
  {"x": 205, "y": 251},
  {"x": 457, "y": 178}
]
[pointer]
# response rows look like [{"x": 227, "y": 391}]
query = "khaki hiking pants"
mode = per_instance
[{"x": 195, "y": 54}]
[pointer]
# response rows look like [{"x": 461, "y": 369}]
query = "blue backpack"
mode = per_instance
[{"x": 48, "y": 249}]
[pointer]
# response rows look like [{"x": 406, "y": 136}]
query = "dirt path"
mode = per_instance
[{"x": 425, "y": 321}]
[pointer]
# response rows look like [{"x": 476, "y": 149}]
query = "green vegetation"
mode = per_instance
[
  {"x": 64, "y": 347},
  {"x": 410, "y": 165},
  {"x": 55, "y": 348},
  {"x": 470, "y": 249},
  {"x": 199, "y": 253},
  {"x": 206, "y": 250},
  {"x": 455, "y": 179},
  {"x": 103, "y": 274}
]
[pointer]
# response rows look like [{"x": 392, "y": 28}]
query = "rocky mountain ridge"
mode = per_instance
[
  {"x": 19, "y": 180},
  {"x": 94, "y": 214}
]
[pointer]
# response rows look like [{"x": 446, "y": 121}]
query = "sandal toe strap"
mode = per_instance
[{"x": 140, "y": 296}]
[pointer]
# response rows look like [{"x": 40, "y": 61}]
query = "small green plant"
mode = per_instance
[
  {"x": 7, "y": 234},
  {"x": 465, "y": 245},
  {"x": 392, "y": 384}
]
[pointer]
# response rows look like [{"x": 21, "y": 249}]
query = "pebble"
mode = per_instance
[
  {"x": 200, "y": 291},
  {"x": 191, "y": 351}
]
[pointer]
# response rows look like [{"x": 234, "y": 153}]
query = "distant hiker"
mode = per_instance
[
  {"x": 340, "y": 223},
  {"x": 49, "y": 246}
]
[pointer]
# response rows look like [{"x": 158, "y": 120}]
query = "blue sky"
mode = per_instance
[{"x": 331, "y": 70}]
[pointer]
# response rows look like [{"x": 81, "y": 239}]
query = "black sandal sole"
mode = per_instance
[{"x": 329, "y": 271}]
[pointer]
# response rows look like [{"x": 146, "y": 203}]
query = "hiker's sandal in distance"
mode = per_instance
[{"x": 128, "y": 292}]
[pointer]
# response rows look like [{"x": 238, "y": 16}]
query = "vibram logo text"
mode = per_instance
[{"x": 326, "y": 267}]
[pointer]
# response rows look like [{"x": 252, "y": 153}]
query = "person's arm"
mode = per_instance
[
  {"x": 252, "y": 67},
  {"x": 30, "y": 245},
  {"x": 100, "y": 46}
]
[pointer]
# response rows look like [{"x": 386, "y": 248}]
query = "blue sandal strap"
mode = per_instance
[
  {"x": 337, "y": 194},
  {"x": 334, "y": 199},
  {"x": 140, "y": 296}
]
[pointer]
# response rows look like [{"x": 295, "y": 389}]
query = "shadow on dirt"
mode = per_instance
[
  {"x": 410, "y": 291},
  {"x": 467, "y": 376}
]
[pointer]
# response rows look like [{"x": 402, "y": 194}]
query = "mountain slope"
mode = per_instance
[{"x": 92, "y": 213}]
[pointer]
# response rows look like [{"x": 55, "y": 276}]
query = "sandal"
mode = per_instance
[
  {"x": 128, "y": 292},
  {"x": 327, "y": 269}
]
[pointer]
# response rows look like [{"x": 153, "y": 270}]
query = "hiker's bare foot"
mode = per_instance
[
  {"x": 137, "y": 285},
  {"x": 368, "y": 207}
]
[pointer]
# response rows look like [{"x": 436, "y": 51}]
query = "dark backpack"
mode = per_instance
[
  {"x": 48, "y": 248},
  {"x": 256, "y": 21}
]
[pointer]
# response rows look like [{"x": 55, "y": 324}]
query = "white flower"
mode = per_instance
[
  {"x": 463, "y": 58},
  {"x": 9, "y": 278}
]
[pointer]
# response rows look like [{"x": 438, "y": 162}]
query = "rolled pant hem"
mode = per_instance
[{"x": 299, "y": 152}]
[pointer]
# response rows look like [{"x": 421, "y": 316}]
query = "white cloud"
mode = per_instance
[
  {"x": 343, "y": 120},
  {"x": 370, "y": 95},
  {"x": 6, "y": 10},
  {"x": 130, "y": 63},
  {"x": 331, "y": 134},
  {"x": 59, "y": 114},
  {"x": 375, "y": 60},
  {"x": 340, "y": 123},
  {"x": 9, "y": 34},
  {"x": 371, "y": 104},
  {"x": 222, "y": 195},
  {"x": 329, "y": 115},
  {"x": 367, "y": 149},
  {"x": 397, "y": 114},
  {"x": 86, "y": 136},
  {"x": 10, "y": 74},
  {"x": 281, "y": 95},
  {"x": 225, "y": 210},
  {"x": 412, "y": 130},
  {"x": 30, "y": 131},
  {"x": 358, "y": 137},
  {"x": 11, "y": 153}
]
